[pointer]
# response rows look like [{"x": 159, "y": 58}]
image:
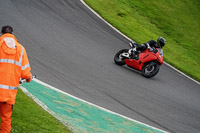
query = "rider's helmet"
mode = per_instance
[
  {"x": 6, "y": 29},
  {"x": 161, "y": 42}
]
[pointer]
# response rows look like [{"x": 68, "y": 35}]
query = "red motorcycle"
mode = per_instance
[{"x": 147, "y": 61}]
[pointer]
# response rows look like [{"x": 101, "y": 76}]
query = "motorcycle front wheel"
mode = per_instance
[
  {"x": 118, "y": 58},
  {"x": 149, "y": 71}
]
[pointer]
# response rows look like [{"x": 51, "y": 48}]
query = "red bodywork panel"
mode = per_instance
[{"x": 145, "y": 56}]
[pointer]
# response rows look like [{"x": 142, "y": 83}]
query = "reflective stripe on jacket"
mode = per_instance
[{"x": 14, "y": 65}]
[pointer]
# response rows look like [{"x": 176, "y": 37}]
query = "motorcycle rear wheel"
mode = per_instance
[
  {"x": 119, "y": 60},
  {"x": 149, "y": 71}
]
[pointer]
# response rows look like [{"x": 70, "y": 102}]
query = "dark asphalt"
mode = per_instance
[{"x": 72, "y": 49}]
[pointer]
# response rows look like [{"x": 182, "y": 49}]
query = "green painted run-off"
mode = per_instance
[{"x": 83, "y": 117}]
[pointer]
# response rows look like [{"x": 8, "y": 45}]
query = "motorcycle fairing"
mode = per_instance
[{"x": 144, "y": 57}]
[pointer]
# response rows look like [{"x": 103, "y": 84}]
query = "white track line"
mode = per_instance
[{"x": 131, "y": 39}]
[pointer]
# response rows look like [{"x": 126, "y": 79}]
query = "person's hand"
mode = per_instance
[{"x": 29, "y": 80}]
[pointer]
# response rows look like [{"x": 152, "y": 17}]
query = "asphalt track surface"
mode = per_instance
[{"x": 72, "y": 49}]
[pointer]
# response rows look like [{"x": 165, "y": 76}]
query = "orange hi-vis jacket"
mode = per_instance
[{"x": 14, "y": 64}]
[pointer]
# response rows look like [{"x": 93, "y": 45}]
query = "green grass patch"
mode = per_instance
[
  {"x": 28, "y": 117},
  {"x": 177, "y": 20}
]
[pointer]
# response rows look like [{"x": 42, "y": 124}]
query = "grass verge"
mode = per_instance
[
  {"x": 178, "y": 21},
  {"x": 28, "y": 117}
]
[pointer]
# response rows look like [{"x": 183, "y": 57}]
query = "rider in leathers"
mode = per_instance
[{"x": 151, "y": 45}]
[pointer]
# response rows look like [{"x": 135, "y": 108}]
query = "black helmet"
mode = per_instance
[
  {"x": 161, "y": 42},
  {"x": 7, "y": 29}
]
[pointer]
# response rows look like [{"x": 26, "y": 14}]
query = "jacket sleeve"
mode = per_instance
[{"x": 26, "y": 69}]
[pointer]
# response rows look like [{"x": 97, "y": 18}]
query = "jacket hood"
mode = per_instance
[{"x": 8, "y": 43}]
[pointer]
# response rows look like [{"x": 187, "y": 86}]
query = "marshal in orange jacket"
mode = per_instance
[{"x": 14, "y": 64}]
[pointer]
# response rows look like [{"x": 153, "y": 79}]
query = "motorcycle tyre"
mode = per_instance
[
  {"x": 152, "y": 74},
  {"x": 116, "y": 57}
]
